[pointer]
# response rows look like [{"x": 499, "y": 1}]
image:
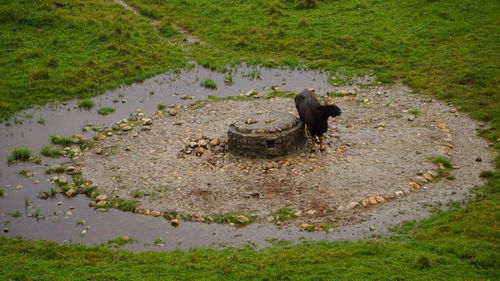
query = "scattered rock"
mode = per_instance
[
  {"x": 43, "y": 195},
  {"x": 92, "y": 204},
  {"x": 270, "y": 219},
  {"x": 155, "y": 213},
  {"x": 399, "y": 193},
  {"x": 35, "y": 181},
  {"x": 341, "y": 208},
  {"x": 98, "y": 151},
  {"x": 5, "y": 229},
  {"x": 305, "y": 225},
  {"x": 101, "y": 203},
  {"x": 146, "y": 128},
  {"x": 414, "y": 185},
  {"x": 127, "y": 128},
  {"x": 405, "y": 190},
  {"x": 411, "y": 118},
  {"x": 311, "y": 212},
  {"x": 389, "y": 196},
  {"x": 420, "y": 180},
  {"x": 202, "y": 143},
  {"x": 174, "y": 222},
  {"x": 172, "y": 112},
  {"x": 63, "y": 180},
  {"x": 352, "y": 205},
  {"x": 147, "y": 122},
  {"x": 70, "y": 170},
  {"x": 242, "y": 219},
  {"x": 428, "y": 176},
  {"x": 214, "y": 142},
  {"x": 193, "y": 144},
  {"x": 19, "y": 186},
  {"x": 372, "y": 228},
  {"x": 479, "y": 159},
  {"x": 102, "y": 197},
  {"x": 70, "y": 192},
  {"x": 380, "y": 199},
  {"x": 365, "y": 202},
  {"x": 432, "y": 173},
  {"x": 372, "y": 200}
]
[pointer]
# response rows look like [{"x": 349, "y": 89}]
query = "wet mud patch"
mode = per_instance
[{"x": 379, "y": 160}]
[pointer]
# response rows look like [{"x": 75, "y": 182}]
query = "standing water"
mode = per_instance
[{"x": 70, "y": 220}]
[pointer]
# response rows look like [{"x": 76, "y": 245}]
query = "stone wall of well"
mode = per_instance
[{"x": 259, "y": 143}]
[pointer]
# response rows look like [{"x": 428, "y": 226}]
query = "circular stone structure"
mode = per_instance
[
  {"x": 266, "y": 135},
  {"x": 377, "y": 168}
]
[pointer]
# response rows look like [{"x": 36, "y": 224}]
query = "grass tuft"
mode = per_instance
[
  {"x": 64, "y": 141},
  {"x": 209, "y": 84},
  {"x": 86, "y": 104},
  {"x": 20, "y": 154},
  {"x": 50, "y": 151},
  {"x": 105, "y": 110}
]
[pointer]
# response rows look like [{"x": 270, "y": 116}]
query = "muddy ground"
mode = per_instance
[{"x": 384, "y": 140}]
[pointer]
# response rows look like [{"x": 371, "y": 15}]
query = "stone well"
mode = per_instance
[{"x": 266, "y": 135}]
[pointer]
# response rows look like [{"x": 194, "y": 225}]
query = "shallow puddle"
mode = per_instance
[{"x": 65, "y": 119}]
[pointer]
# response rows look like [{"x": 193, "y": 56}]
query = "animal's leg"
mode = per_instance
[
  {"x": 321, "y": 146},
  {"x": 306, "y": 131},
  {"x": 313, "y": 145}
]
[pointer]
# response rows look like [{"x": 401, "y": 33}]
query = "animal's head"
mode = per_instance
[{"x": 331, "y": 110}]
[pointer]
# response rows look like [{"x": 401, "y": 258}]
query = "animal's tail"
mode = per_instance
[{"x": 331, "y": 110}]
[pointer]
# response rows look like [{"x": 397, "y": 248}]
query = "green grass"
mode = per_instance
[
  {"x": 120, "y": 241},
  {"x": 15, "y": 214},
  {"x": 64, "y": 141},
  {"x": 55, "y": 169},
  {"x": 2, "y": 192},
  {"x": 283, "y": 214},
  {"x": 161, "y": 106},
  {"x": 51, "y": 151},
  {"x": 105, "y": 110},
  {"x": 85, "y": 104},
  {"x": 67, "y": 51},
  {"x": 445, "y": 49},
  {"x": 20, "y": 154},
  {"x": 228, "y": 80},
  {"x": 137, "y": 194},
  {"x": 124, "y": 205},
  {"x": 209, "y": 84},
  {"x": 441, "y": 160}
]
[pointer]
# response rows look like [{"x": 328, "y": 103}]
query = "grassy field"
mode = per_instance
[
  {"x": 59, "y": 50},
  {"x": 442, "y": 48}
]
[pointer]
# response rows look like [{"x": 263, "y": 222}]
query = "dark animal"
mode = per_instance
[{"x": 314, "y": 115}]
